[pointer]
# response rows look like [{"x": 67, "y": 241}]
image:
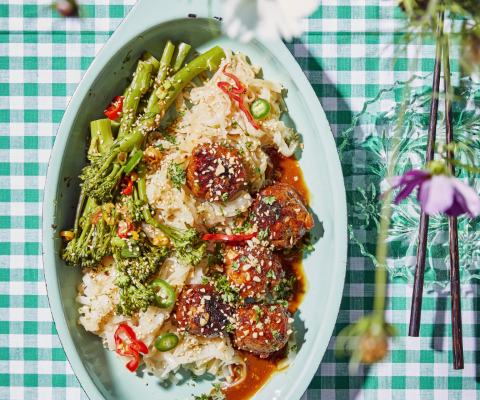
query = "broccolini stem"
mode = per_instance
[
  {"x": 165, "y": 61},
  {"x": 147, "y": 57},
  {"x": 131, "y": 98},
  {"x": 102, "y": 128},
  {"x": 162, "y": 74},
  {"x": 210, "y": 60},
  {"x": 179, "y": 56}
]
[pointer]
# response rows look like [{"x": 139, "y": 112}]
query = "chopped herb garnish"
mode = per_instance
[
  {"x": 181, "y": 113},
  {"x": 224, "y": 198},
  {"x": 269, "y": 200},
  {"x": 258, "y": 313},
  {"x": 235, "y": 265},
  {"x": 229, "y": 293},
  {"x": 263, "y": 234},
  {"x": 248, "y": 144},
  {"x": 275, "y": 334},
  {"x": 177, "y": 175},
  {"x": 169, "y": 138},
  {"x": 271, "y": 274}
]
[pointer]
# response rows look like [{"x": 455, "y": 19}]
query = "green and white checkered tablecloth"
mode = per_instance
[{"x": 347, "y": 55}]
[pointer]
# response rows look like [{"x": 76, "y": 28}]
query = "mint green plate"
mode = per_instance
[{"x": 147, "y": 27}]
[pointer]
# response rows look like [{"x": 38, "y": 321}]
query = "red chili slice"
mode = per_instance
[
  {"x": 228, "y": 238},
  {"x": 131, "y": 349},
  {"x": 114, "y": 108},
  {"x": 123, "y": 228},
  {"x": 127, "y": 185},
  {"x": 232, "y": 91},
  {"x": 240, "y": 88}
]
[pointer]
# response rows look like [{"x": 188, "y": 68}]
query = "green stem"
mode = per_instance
[
  {"x": 148, "y": 58},
  {"x": 102, "y": 128},
  {"x": 165, "y": 61},
  {"x": 139, "y": 86},
  {"x": 181, "y": 52},
  {"x": 210, "y": 60},
  {"x": 162, "y": 74}
]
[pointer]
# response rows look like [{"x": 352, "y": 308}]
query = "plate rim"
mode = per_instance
[{"x": 281, "y": 52}]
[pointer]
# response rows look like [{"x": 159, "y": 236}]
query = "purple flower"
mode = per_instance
[{"x": 438, "y": 193}]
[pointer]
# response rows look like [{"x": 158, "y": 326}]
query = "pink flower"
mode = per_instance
[{"x": 438, "y": 193}]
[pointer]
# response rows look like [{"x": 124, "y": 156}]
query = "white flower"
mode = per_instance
[{"x": 270, "y": 20}]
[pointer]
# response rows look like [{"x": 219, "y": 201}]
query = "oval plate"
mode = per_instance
[{"x": 147, "y": 27}]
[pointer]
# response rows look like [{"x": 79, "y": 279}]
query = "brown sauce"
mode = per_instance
[{"x": 260, "y": 370}]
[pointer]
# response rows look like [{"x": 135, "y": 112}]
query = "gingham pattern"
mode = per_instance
[{"x": 347, "y": 54}]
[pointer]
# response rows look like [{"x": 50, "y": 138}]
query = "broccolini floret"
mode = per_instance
[
  {"x": 139, "y": 258},
  {"x": 133, "y": 296},
  {"x": 93, "y": 235}
]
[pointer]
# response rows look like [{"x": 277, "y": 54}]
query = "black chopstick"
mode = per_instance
[
  {"x": 415, "y": 314},
  {"x": 457, "y": 338}
]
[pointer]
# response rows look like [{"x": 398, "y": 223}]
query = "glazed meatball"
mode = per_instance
[
  {"x": 200, "y": 312},
  {"x": 253, "y": 269},
  {"x": 262, "y": 329},
  {"x": 215, "y": 173},
  {"x": 280, "y": 209}
]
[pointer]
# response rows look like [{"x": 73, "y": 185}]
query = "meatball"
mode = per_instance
[
  {"x": 280, "y": 211},
  {"x": 215, "y": 172},
  {"x": 253, "y": 269},
  {"x": 200, "y": 312},
  {"x": 262, "y": 329}
]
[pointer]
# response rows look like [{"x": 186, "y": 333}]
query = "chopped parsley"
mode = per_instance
[
  {"x": 249, "y": 186},
  {"x": 263, "y": 234},
  {"x": 160, "y": 147},
  {"x": 228, "y": 328},
  {"x": 258, "y": 313},
  {"x": 213, "y": 229},
  {"x": 248, "y": 144},
  {"x": 235, "y": 266},
  {"x": 294, "y": 348},
  {"x": 283, "y": 303},
  {"x": 275, "y": 334},
  {"x": 243, "y": 258},
  {"x": 169, "y": 138},
  {"x": 224, "y": 198},
  {"x": 271, "y": 274},
  {"x": 285, "y": 286},
  {"x": 257, "y": 170},
  {"x": 273, "y": 308},
  {"x": 269, "y": 200},
  {"x": 241, "y": 229},
  {"x": 241, "y": 150},
  {"x": 181, "y": 113},
  {"x": 229, "y": 293},
  {"x": 235, "y": 123},
  {"x": 177, "y": 175}
]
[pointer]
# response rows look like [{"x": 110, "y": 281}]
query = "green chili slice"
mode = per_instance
[
  {"x": 260, "y": 108},
  {"x": 132, "y": 163},
  {"x": 165, "y": 297},
  {"x": 166, "y": 342}
]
